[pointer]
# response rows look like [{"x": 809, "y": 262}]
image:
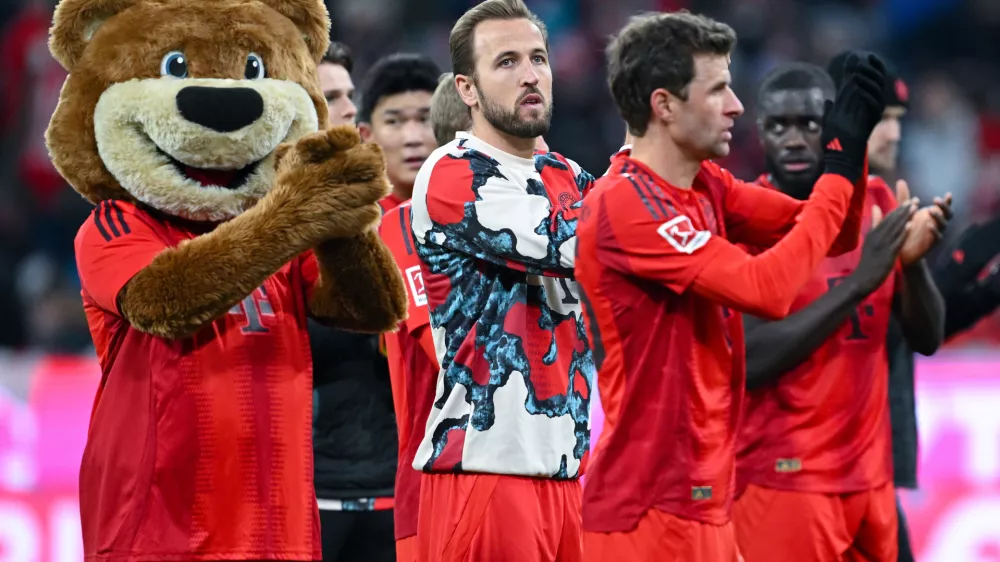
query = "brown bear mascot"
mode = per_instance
[{"x": 223, "y": 219}]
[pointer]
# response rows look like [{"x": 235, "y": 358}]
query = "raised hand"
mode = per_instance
[
  {"x": 882, "y": 246},
  {"x": 332, "y": 180},
  {"x": 926, "y": 227},
  {"x": 849, "y": 119}
]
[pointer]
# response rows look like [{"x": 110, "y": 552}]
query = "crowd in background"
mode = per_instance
[{"x": 945, "y": 50}]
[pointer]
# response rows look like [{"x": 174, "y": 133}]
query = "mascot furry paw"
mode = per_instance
[{"x": 223, "y": 219}]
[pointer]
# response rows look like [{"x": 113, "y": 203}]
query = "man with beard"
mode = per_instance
[
  {"x": 494, "y": 226},
  {"x": 814, "y": 465}
]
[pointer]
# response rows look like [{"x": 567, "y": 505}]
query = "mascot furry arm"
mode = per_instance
[
  {"x": 326, "y": 188},
  {"x": 313, "y": 198}
]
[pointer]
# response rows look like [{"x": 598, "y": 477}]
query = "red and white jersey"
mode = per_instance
[{"x": 496, "y": 235}]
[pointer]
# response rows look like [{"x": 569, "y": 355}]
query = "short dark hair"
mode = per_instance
[
  {"x": 395, "y": 74},
  {"x": 462, "y": 40},
  {"x": 795, "y": 76},
  {"x": 657, "y": 50},
  {"x": 449, "y": 114},
  {"x": 339, "y": 53}
]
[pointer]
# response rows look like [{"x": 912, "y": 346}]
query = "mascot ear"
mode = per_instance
[
  {"x": 75, "y": 23},
  {"x": 312, "y": 19}
]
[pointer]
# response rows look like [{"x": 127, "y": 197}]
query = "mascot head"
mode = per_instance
[{"x": 180, "y": 105}]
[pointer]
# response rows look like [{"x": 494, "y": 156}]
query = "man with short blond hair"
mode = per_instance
[{"x": 449, "y": 114}]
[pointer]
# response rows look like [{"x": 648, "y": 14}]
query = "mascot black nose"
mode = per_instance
[{"x": 220, "y": 109}]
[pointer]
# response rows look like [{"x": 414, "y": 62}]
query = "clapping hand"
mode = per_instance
[{"x": 926, "y": 227}]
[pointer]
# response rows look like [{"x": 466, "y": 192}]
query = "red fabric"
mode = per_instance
[
  {"x": 201, "y": 448},
  {"x": 412, "y": 370},
  {"x": 663, "y": 537},
  {"x": 406, "y": 549},
  {"x": 670, "y": 361},
  {"x": 491, "y": 517},
  {"x": 824, "y": 427},
  {"x": 389, "y": 202},
  {"x": 769, "y": 281},
  {"x": 782, "y": 526},
  {"x": 850, "y": 231}
]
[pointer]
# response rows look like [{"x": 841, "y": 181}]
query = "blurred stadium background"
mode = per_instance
[{"x": 946, "y": 50}]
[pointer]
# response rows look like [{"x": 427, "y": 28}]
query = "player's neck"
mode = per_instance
[
  {"x": 401, "y": 190},
  {"x": 661, "y": 155},
  {"x": 516, "y": 146}
]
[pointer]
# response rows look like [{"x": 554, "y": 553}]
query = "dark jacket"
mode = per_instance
[
  {"x": 966, "y": 302},
  {"x": 354, "y": 425}
]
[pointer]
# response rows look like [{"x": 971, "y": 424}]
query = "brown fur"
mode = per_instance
[
  {"x": 216, "y": 37},
  {"x": 324, "y": 191},
  {"x": 349, "y": 268},
  {"x": 327, "y": 183}
]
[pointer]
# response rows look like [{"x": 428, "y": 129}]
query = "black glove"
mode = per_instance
[
  {"x": 848, "y": 121},
  {"x": 979, "y": 244},
  {"x": 976, "y": 247}
]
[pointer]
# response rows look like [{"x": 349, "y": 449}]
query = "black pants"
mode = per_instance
[
  {"x": 905, "y": 552},
  {"x": 358, "y": 536}
]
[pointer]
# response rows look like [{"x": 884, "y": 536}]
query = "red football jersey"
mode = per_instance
[
  {"x": 413, "y": 369},
  {"x": 659, "y": 280},
  {"x": 198, "y": 448},
  {"x": 389, "y": 202},
  {"x": 824, "y": 427}
]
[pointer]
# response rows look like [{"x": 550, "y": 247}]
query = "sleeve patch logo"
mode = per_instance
[
  {"x": 416, "y": 281},
  {"x": 681, "y": 234}
]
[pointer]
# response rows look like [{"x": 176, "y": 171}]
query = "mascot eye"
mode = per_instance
[
  {"x": 174, "y": 64},
  {"x": 255, "y": 67}
]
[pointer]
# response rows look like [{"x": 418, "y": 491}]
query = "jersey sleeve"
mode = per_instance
[
  {"x": 850, "y": 232},
  {"x": 472, "y": 208},
  {"x": 113, "y": 245},
  {"x": 395, "y": 230},
  {"x": 755, "y": 215},
  {"x": 584, "y": 179},
  {"x": 759, "y": 217},
  {"x": 647, "y": 239},
  {"x": 667, "y": 248}
]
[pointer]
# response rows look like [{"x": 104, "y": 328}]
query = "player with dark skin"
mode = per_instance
[{"x": 790, "y": 125}]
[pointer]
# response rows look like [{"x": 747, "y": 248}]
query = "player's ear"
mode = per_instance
[
  {"x": 661, "y": 105},
  {"x": 466, "y": 90},
  {"x": 365, "y": 130}
]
